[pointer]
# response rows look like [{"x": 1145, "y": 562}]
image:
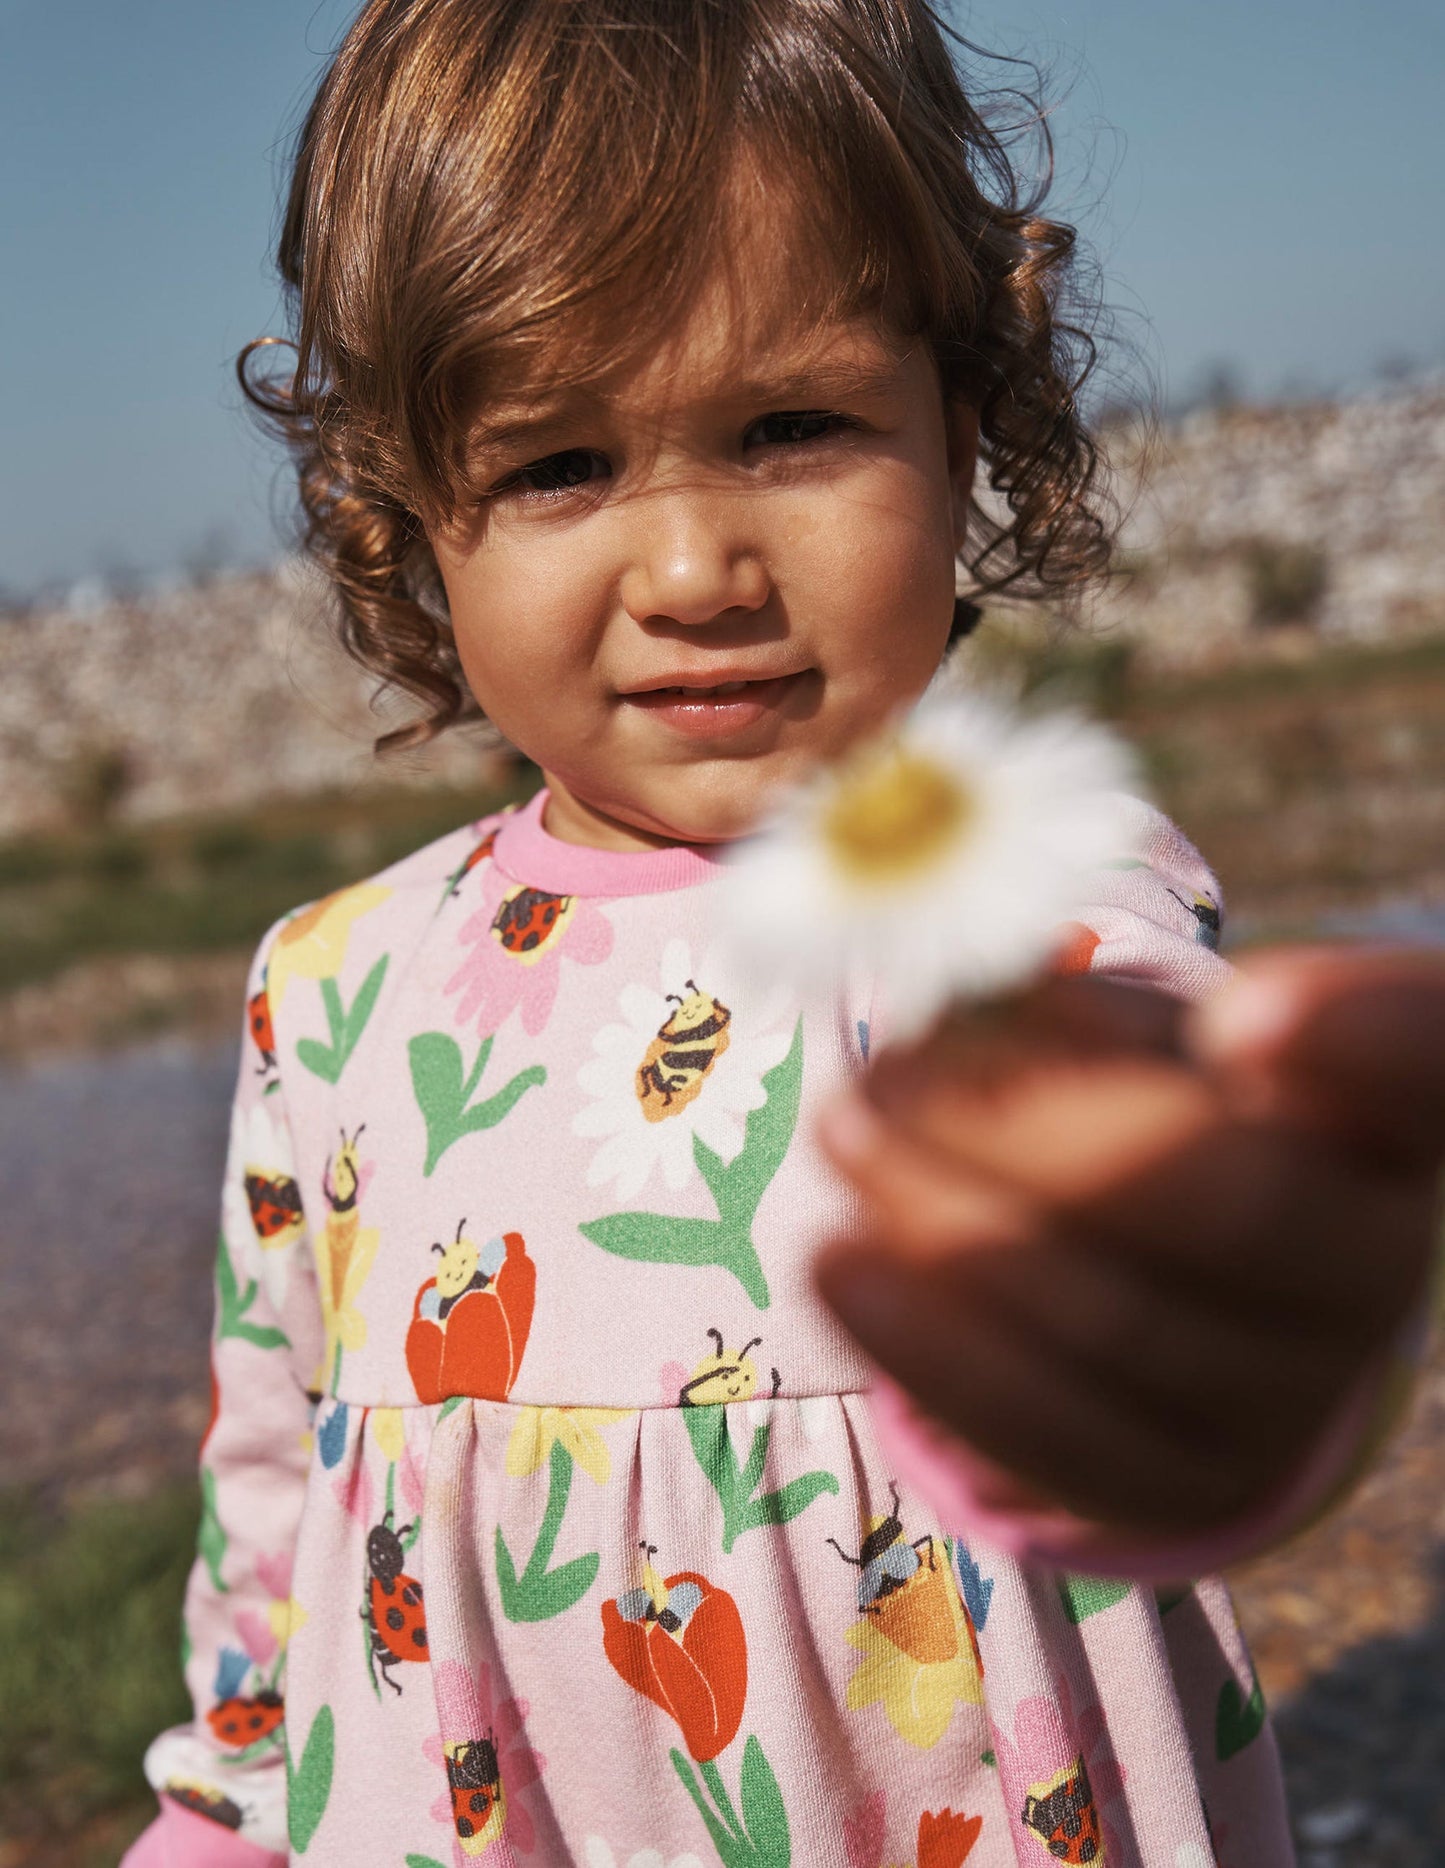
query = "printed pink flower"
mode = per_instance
[
  {"x": 471, "y": 1720},
  {"x": 863, "y": 1832},
  {"x": 273, "y": 1571},
  {"x": 1059, "y": 1765},
  {"x": 256, "y": 1636},
  {"x": 515, "y": 945}
]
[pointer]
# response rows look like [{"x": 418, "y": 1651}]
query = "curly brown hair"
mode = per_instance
[{"x": 486, "y": 192}]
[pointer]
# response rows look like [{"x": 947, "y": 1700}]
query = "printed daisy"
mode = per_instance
[
  {"x": 1057, "y": 1746},
  {"x": 487, "y": 1770},
  {"x": 598, "y": 1854},
  {"x": 514, "y": 947},
  {"x": 942, "y": 859},
  {"x": 687, "y": 1060}
]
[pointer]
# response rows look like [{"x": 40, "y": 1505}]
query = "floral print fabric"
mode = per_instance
[{"x": 545, "y": 1521}]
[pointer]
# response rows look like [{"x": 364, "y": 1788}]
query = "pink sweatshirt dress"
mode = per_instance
[{"x": 546, "y": 1520}]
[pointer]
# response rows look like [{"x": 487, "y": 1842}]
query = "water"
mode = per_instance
[{"x": 110, "y": 1173}]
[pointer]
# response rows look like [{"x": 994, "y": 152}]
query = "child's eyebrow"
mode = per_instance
[{"x": 827, "y": 380}]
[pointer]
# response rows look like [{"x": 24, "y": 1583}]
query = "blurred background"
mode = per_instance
[{"x": 183, "y": 756}]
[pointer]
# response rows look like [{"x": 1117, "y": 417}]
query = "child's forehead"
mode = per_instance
[{"x": 731, "y": 348}]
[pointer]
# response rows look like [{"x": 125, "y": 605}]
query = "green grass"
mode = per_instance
[
  {"x": 204, "y": 885},
  {"x": 89, "y": 1659}
]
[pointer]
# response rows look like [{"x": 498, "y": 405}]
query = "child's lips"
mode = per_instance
[{"x": 714, "y": 712}]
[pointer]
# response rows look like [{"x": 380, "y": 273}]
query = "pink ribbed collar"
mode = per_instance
[{"x": 531, "y": 855}]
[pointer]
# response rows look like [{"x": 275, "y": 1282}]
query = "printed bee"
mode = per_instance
[
  {"x": 393, "y": 1611},
  {"x": 671, "y": 1609},
  {"x": 1207, "y": 918},
  {"x": 529, "y": 919},
  {"x": 686, "y": 1047},
  {"x": 275, "y": 1203},
  {"x": 723, "y": 1376},
  {"x": 1061, "y": 1813},
  {"x": 205, "y": 1801},
  {"x": 479, "y": 1804},
  {"x": 258, "y": 1021},
  {"x": 887, "y": 1561},
  {"x": 341, "y": 1184},
  {"x": 910, "y": 1600},
  {"x": 464, "y": 1267},
  {"x": 341, "y": 1177}
]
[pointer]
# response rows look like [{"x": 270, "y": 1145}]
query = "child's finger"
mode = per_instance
[
  {"x": 924, "y": 1201},
  {"x": 1039, "y": 1415},
  {"x": 1350, "y": 1042}
]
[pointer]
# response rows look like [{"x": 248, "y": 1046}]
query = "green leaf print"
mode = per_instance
[
  {"x": 423, "y": 1861},
  {"x": 309, "y": 1785},
  {"x": 1084, "y": 1596},
  {"x": 327, "y": 1061},
  {"x": 760, "y": 1838},
  {"x": 211, "y": 1539},
  {"x": 1238, "y": 1721},
  {"x": 444, "y": 1098},
  {"x": 539, "y": 1593},
  {"x": 737, "y": 1188},
  {"x": 707, "y": 1428},
  {"x": 232, "y": 1305}
]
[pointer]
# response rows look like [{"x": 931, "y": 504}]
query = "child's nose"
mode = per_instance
[{"x": 690, "y": 565}]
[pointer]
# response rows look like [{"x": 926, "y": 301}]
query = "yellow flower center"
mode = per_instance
[{"x": 894, "y": 814}]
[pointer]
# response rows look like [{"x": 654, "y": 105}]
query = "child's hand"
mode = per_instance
[{"x": 1135, "y": 1253}]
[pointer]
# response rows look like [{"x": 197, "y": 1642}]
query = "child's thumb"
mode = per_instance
[{"x": 1347, "y": 1042}]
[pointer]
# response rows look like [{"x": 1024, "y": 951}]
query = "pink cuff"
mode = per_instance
[
  {"x": 178, "y": 1838},
  {"x": 956, "y": 1483}
]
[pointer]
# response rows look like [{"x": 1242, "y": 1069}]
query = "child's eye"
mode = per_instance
[
  {"x": 554, "y": 474},
  {"x": 790, "y": 427}
]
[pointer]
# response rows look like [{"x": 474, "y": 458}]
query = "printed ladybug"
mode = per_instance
[
  {"x": 478, "y": 854},
  {"x": 1061, "y": 1813},
  {"x": 258, "y": 1018},
  {"x": 241, "y": 1721},
  {"x": 393, "y": 1611},
  {"x": 275, "y": 1203},
  {"x": 479, "y": 1809},
  {"x": 528, "y": 918},
  {"x": 205, "y": 1801}
]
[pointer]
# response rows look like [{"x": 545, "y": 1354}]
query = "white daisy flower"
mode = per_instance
[
  {"x": 687, "y": 1059},
  {"x": 599, "y": 1855},
  {"x": 943, "y": 859},
  {"x": 261, "y": 1207}
]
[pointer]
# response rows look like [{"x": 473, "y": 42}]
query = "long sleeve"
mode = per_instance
[
  {"x": 1154, "y": 920},
  {"x": 221, "y": 1778}
]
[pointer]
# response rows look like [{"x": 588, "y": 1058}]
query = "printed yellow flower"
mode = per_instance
[
  {"x": 312, "y": 945},
  {"x": 919, "y": 1656},
  {"x": 386, "y": 1430},
  {"x": 539, "y": 1428},
  {"x": 286, "y": 1617},
  {"x": 942, "y": 859}
]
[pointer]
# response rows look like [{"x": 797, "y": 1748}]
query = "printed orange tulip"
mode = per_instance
[
  {"x": 470, "y": 1322},
  {"x": 680, "y": 1643}
]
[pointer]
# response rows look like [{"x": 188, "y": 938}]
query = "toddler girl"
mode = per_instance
[{"x": 645, "y": 355}]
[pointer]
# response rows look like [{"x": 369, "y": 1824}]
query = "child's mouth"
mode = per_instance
[{"x": 725, "y": 707}]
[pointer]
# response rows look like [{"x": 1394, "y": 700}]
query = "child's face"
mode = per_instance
[{"x": 746, "y": 505}]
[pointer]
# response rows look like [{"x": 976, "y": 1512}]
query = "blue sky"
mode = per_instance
[{"x": 1263, "y": 181}]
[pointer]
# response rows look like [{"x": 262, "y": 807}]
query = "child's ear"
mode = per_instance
[{"x": 961, "y": 424}]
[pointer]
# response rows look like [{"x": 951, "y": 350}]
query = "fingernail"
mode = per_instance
[{"x": 849, "y": 1129}]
